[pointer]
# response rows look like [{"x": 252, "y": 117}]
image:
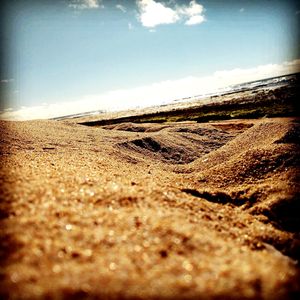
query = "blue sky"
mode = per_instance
[{"x": 62, "y": 51}]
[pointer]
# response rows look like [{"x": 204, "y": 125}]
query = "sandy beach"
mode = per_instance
[
  {"x": 149, "y": 150},
  {"x": 180, "y": 210}
]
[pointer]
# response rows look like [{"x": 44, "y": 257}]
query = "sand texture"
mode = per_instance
[{"x": 180, "y": 210}]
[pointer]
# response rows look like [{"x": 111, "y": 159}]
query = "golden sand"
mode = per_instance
[{"x": 149, "y": 211}]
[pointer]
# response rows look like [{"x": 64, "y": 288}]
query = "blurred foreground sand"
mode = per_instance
[{"x": 149, "y": 211}]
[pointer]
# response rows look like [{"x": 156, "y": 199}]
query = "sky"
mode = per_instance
[{"x": 62, "y": 57}]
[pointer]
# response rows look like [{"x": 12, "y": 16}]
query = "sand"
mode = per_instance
[{"x": 150, "y": 211}]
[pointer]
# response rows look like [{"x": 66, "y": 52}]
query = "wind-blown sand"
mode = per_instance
[{"x": 150, "y": 211}]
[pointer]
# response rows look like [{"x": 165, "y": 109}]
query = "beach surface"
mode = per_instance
[{"x": 181, "y": 210}]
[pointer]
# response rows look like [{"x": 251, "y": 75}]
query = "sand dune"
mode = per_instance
[{"x": 150, "y": 211}]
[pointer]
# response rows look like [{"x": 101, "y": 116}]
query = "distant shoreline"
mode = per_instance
[{"x": 258, "y": 103}]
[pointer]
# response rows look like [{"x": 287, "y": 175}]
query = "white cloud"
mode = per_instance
[
  {"x": 242, "y": 9},
  {"x": 130, "y": 26},
  {"x": 154, "y": 94},
  {"x": 260, "y": 72},
  {"x": 121, "y": 7},
  {"x": 194, "y": 12},
  {"x": 195, "y": 20},
  {"x": 7, "y": 80},
  {"x": 85, "y": 4},
  {"x": 152, "y": 13}
]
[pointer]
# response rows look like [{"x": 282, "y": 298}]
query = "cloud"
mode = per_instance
[
  {"x": 130, "y": 26},
  {"x": 85, "y": 4},
  {"x": 154, "y": 94},
  {"x": 194, "y": 12},
  {"x": 195, "y": 20},
  {"x": 265, "y": 71},
  {"x": 121, "y": 7},
  {"x": 242, "y": 9},
  {"x": 7, "y": 80},
  {"x": 152, "y": 13}
]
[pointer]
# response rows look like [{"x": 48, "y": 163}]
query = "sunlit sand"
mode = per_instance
[{"x": 170, "y": 210}]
